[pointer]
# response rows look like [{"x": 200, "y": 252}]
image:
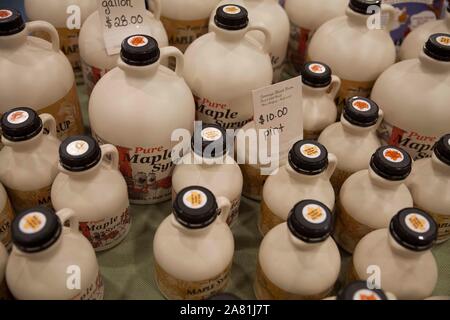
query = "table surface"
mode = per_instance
[{"x": 127, "y": 269}]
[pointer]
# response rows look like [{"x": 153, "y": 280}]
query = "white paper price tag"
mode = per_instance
[
  {"x": 120, "y": 19},
  {"x": 278, "y": 111}
]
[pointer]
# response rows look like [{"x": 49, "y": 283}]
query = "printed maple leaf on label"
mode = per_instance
[{"x": 393, "y": 154}]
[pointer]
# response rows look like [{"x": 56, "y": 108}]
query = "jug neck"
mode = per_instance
[
  {"x": 309, "y": 91},
  {"x": 193, "y": 233},
  {"x": 83, "y": 175},
  {"x": 139, "y": 71},
  {"x": 433, "y": 65},
  {"x": 231, "y": 36},
  {"x": 27, "y": 145},
  {"x": 400, "y": 250},
  {"x": 44, "y": 254},
  {"x": 303, "y": 178},
  {"x": 356, "y": 130},
  {"x": 440, "y": 166},
  {"x": 357, "y": 19},
  {"x": 383, "y": 183},
  {"x": 14, "y": 40},
  {"x": 302, "y": 245},
  {"x": 210, "y": 162}
]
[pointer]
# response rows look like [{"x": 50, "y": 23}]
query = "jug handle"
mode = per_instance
[
  {"x": 167, "y": 52},
  {"x": 267, "y": 35},
  {"x": 50, "y": 123},
  {"x": 46, "y": 27},
  {"x": 69, "y": 215},
  {"x": 110, "y": 153},
  {"x": 225, "y": 208},
  {"x": 380, "y": 118},
  {"x": 335, "y": 86},
  {"x": 332, "y": 164},
  {"x": 390, "y": 11},
  {"x": 156, "y": 7}
]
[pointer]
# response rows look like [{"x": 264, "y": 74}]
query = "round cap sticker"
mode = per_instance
[
  {"x": 417, "y": 223},
  {"x": 232, "y": 9},
  {"x": 366, "y": 294},
  {"x": 444, "y": 40},
  {"x": 18, "y": 117},
  {"x": 195, "y": 199},
  {"x": 310, "y": 151},
  {"x": 316, "y": 68},
  {"x": 314, "y": 214},
  {"x": 393, "y": 155},
  {"x": 211, "y": 134},
  {"x": 4, "y": 14},
  {"x": 137, "y": 41},
  {"x": 361, "y": 105},
  {"x": 77, "y": 148},
  {"x": 33, "y": 222}
]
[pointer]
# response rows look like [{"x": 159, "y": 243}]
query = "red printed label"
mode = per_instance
[{"x": 91, "y": 76}]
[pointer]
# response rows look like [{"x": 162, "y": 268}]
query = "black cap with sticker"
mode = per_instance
[
  {"x": 310, "y": 221},
  {"x": 195, "y": 207},
  {"x": 391, "y": 163},
  {"x": 231, "y": 17},
  {"x": 363, "y": 6},
  {"x": 358, "y": 290},
  {"x": 414, "y": 229},
  {"x": 316, "y": 74},
  {"x": 36, "y": 229},
  {"x": 308, "y": 157},
  {"x": 140, "y": 50},
  {"x": 11, "y": 22},
  {"x": 442, "y": 149},
  {"x": 438, "y": 47},
  {"x": 21, "y": 124},
  {"x": 213, "y": 141},
  {"x": 361, "y": 112},
  {"x": 79, "y": 153}
]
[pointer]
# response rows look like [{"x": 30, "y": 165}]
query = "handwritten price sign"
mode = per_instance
[{"x": 120, "y": 19}]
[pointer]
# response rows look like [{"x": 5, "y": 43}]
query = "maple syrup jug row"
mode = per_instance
[{"x": 40, "y": 70}]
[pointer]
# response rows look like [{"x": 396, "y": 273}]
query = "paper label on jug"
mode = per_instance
[
  {"x": 6, "y": 219},
  {"x": 443, "y": 222},
  {"x": 223, "y": 114},
  {"x": 418, "y": 146},
  {"x": 68, "y": 39},
  {"x": 296, "y": 54},
  {"x": 268, "y": 219},
  {"x": 106, "y": 233},
  {"x": 411, "y": 14},
  {"x": 277, "y": 111},
  {"x": 94, "y": 291},
  {"x": 350, "y": 89},
  {"x": 121, "y": 19},
  {"x": 91, "y": 76},
  {"x": 23, "y": 200},
  {"x": 253, "y": 182},
  {"x": 67, "y": 113},
  {"x": 147, "y": 172},
  {"x": 267, "y": 290},
  {"x": 182, "y": 33},
  {"x": 176, "y": 289},
  {"x": 347, "y": 231}
]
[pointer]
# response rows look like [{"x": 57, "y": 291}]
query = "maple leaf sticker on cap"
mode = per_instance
[
  {"x": 366, "y": 294},
  {"x": 77, "y": 148},
  {"x": 4, "y": 14},
  {"x": 317, "y": 68},
  {"x": 314, "y": 213},
  {"x": 211, "y": 134},
  {"x": 393, "y": 155},
  {"x": 32, "y": 222},
  {"x": 417, "y": 223},
  {"x": 361, "y": 105},
  {"x": 443, "y": 40},
  {"x": 310, "y": 151},
  {"x": 137, "y": 41},
  {"x": 232, "y": 9},
  {"x": 195, "y": 199},
  {"x": 18, "y": 117}
]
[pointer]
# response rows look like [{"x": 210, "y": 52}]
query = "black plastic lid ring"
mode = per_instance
[
  {"x": 310, "y": 221},
  {"x": 308, "y": 157},
  {"x": 79, "y": 153},
  {"x": 209, "y": 141},
  {"x": 391, "y": 163},
  {"x": 36, "y": 229},
  {"x": 442, "y": 149},
  {"x": 231, "y": 17},
  {"x": 438, "y": 47},
  {"x": 414, "y": 229},
  {"x": 361, "y": 112},
  {"x": 140, "y": 50},
  {"x": 11, "y": 22},
  {"x": 316, "y": 74},
  {"x": 21, "y": 124},
  {"x": 195, "y": 207},
  {"x": 363, "y": 6}
]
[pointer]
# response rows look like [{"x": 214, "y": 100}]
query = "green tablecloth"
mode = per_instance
[{"x": 128, "y": 268}]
